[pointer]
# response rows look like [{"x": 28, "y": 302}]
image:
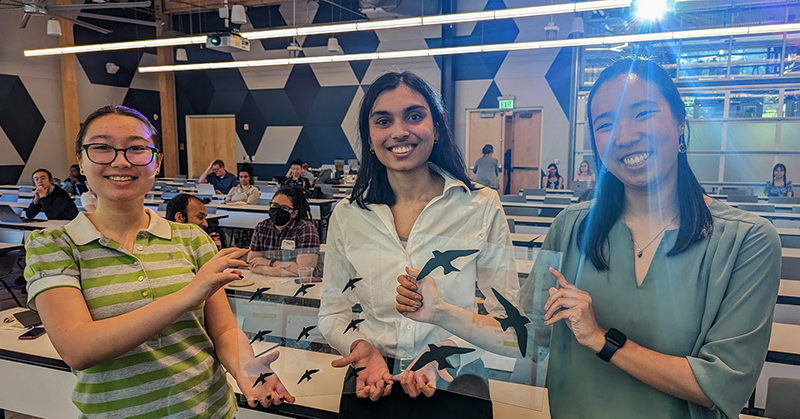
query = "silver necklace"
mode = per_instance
[{"x": 640, "y": 250}]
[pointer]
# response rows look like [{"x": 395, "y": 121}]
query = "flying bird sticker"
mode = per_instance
[
  {"x": 353, "y": 373},
  {"x": 262, "y": 378},
  {"x": 307, "y": 375},
  {"x": 439, "y": 354},
  {"x": 258, "y": 294},
  {"x": 443, "y": 259},
  {"x": 260, "y": 336},
  {"x": 351, "y": 284},
  {"x": 303, "y": 289},
  {"x": 304, "y": 332},
  {"x": 513, "y": 319},
  {"x": 353, "y": 325}
]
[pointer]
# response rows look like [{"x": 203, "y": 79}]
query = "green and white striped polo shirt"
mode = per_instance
[{"x": 174, "y": 374}]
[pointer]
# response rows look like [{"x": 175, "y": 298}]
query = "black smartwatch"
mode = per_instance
[
  {"x": 272, "y": 262},
  {"x": 614, "y": 340}
]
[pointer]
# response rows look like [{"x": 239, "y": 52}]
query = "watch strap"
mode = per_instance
[{"x": 614, "y": 340}]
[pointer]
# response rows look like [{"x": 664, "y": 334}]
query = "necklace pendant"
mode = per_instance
[{"x": 639, "y": 255}]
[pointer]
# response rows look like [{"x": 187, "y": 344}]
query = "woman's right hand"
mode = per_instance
[
  {"x": 376, "y": 380},
  {"x": 211, "y": 276}
]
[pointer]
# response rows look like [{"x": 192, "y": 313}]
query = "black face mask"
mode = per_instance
[{"x": 279, "y": 216}]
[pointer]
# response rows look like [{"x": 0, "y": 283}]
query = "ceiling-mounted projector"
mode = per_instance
[{"x": 228, "y": 42}]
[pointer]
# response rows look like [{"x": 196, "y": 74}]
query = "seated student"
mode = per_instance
[
  {"x": 552, "y": 179},
  {"x": 216, "y": 175},
  {"x": 779, "y": 185},
  {"x": 89, "y": 199},
  {"x": 288, "y": 240},
  {"x": 584, "y": 174},
  {"x": 75, "y": 184},
  {"x": 306, "y": 174},
  {"x": 48, "y": 197},
  {"x": 187, "y": 209},
  {"x": 294, "y": 175},
  {"x": 244, "y": 191}
]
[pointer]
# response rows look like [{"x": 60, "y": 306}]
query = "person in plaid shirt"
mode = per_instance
[{"x": 288, "y": 239}]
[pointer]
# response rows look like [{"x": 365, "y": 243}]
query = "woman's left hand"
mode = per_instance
[
  {"x": 272, "y": 391},
  {"x": 417, "y": 298},
  {"x": 576, "y": 309}
]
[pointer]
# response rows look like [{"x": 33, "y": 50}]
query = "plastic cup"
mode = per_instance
[{"x": 305, "y": 274}]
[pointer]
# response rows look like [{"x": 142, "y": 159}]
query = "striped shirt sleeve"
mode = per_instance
[
  {"x": 49, "y": 263},
  {"x": 203, "y": 247}
]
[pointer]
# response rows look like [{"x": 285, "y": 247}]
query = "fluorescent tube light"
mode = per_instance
[
  {"x": 324, "y": 29},
  {"x": 389, "y": 24},
  {"x": 457, "y": 18},
  {"x": 270, "y": 34}
]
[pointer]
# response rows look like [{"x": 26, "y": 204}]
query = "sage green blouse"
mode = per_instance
[{"x": 712, "y": 304}]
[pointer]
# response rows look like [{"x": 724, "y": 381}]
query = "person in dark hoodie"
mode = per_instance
[{"x": 50, "y": 198}]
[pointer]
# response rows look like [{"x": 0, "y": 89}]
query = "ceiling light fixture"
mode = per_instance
[
  {"x": 470, "y": 49},
  {"x": 352, "y": 27}
]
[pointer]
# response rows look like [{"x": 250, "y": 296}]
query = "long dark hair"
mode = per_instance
[
  {"x": 547, "y": 175},
  {"x": 695, "y": 218},
  {"x": 298, "y": 196},
  {"x": 780, "y": 165},
  {"x": 372, "y": 183}
]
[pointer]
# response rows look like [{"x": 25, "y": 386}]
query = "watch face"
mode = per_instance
[{"x": 616, "y": 336}]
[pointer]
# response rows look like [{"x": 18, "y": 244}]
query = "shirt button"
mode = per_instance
[
  {"x": 136, "y": 263},
  {"x": 140, "y": 247},
  {"x": 141, "y": 278},
  {"x": 145, "y": 293},
  {"x": 410, "y": 326}
]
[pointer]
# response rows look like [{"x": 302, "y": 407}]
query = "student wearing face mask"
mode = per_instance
[{"x": 288, "y": 240}]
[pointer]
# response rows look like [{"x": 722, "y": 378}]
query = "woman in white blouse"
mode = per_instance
[
  {"x": 412, "y": 197},
  {"x": 245, "y": 191}
]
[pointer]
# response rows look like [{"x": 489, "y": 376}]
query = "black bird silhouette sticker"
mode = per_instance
[
  {"x": 262, "y": 379},
  {"x": 258, "y": 294},
  {"x": 351, "y": 284},
  {"x": 354, "y": 373},
  {"x": 307, "y": 375},
  {"x": 303, "y": 289},
  {"x": 353, "y": 325},
  {"x": 440, "y": 354},
  {"x": 513, "y": 319},
  {"x": 443, "y": 259},
  {"x": 260, "y": 336},
  {"x": 305, "y": 332}
]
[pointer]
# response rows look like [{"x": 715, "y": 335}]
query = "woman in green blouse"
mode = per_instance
[{"x": 664, "y": 304}]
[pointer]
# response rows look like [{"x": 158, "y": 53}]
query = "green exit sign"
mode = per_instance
[{"x": 506, "y": 103}]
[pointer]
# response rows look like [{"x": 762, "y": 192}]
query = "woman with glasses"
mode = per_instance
[
  {"x": 288, "y": 239},
  {"x": 134, "y": 303}
]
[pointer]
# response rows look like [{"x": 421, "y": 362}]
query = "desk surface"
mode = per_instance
[
  {"x": 4, "y": 247},
  {"x": 34, "y": 225},
  {"x": 262, "y": 208},
  {"x": 529, "y": 220},
  {"x": 533, "y": 204}
]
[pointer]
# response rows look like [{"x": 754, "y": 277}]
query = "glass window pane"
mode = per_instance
[
  {"x": 747, "y": 168},
  {"x": 754, "y": 104},
  {"x": 705, "y": 105},
  {"x": 705, "y": 136},
  {"x": 791, "y": 103},
  {"x": 749, "y": 136},
  {"x": 704, "y": 58},
  {"x": 756, "y": 56},
  {"x": 790, "y": 136},
  {"x": 705, "y": 168}
]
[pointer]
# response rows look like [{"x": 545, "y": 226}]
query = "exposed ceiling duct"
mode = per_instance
[{"x": 385, "y": 9}]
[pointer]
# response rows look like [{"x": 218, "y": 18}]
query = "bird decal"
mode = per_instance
[
  {"x": 439, "y": 354},
  {"x": 262, "y": 378},
  {"x": 513, "y": 319},
  {"x": 443, "y": 259},
  {"x": 353, "y": 325},
  {"x": 351, "y": 284},
  {"x": 258, "y": 294},
  {"x": 303, "y": 289},
  {"x": 260, "y": 336},
  {"x": 305, "y": 331},
  {"x": 354, "y": 373},
  {"x": 307, "y": 375}
]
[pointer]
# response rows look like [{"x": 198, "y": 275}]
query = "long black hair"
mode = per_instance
[
  {"x": 547, "y": 175},
  {"x": 372, "y": 183},
  {"x": 298, "y": 196},
  {"x": 780, "y": 165},
  {"x": 695, "y": 218}
]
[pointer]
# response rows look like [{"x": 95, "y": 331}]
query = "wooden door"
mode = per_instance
[
  {"x": 524, "y": 137},
  {"x": 485, "y": 127},
  {"x": 209, "y": 138}
]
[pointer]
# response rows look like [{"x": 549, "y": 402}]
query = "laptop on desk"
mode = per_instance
[
  {"x": 7, "y": 215},
  {"x": 205, "y": 189}
]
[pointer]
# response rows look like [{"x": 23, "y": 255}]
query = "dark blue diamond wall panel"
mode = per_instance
[
  {"x": 20, "y": 119},
  {"x": 302, "y": 88},
  {"x": 197, "y": 88},
  {"x": 328, "y": 13},
  {"x": 276, "y": 108},
  {"x": 320, "y": 145},
  {"x": 489, "y": 100},
  {"x": 250, "y": 114},
  {"x": 230, "y": 91},
  {"x": 351, "y": 43},
  {"x": 148, "y": 102},
  {"x": 10, "y": 174},
  {"x": 557, "y": 77},
  {"x": 331, "y": 105},
  {"x": 265, "y": 18},
  {"x": 360, "y": 69}
]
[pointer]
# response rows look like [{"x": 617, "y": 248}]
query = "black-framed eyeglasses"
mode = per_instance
[
  {"x": 283, "y": 207},
  {"x": 137, "y": 155}
]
